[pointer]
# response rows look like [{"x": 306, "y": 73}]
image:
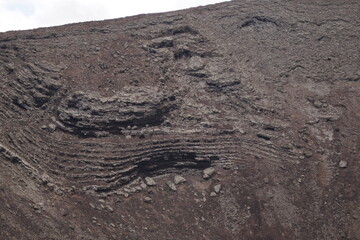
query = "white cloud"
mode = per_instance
[{"x": 27, "y": 14}]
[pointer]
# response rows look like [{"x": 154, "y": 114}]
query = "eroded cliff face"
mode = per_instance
[{"x": 233, "y": 121}]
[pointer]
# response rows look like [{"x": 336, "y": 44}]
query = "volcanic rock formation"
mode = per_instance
[{"x": 232, "y": 121}]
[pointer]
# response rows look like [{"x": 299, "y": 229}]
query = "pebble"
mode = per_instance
[
  {"x": 52, "y": 127},
  {"x": 208, "y": 172},
  {"x": 36, "y": 207},
  {"x": 172, "y": 186},
  {"x": 213, "y": 194},
  {"x": 226, "y": 167},
  {"x": 342, "y": 164},
  {"x": 109, "y": 208},
  {"x": 217, "y": 188},
  {"x": 147, "y": 200},
  {"x": 179, "y": 179},
  {"x": 150, "y": 181}
]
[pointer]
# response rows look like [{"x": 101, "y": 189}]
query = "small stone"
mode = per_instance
[
  {"x": 109, "y": 208},
  {"x": 217, "y": 188},
  {"x": 52, "y": 127},
  {"x": 36, "y": 207},
  {"x": 112, "y": 225},
  {"x": 242, "y": 131},
  {"x": 213, "y": 194},
  {"x": 179, "y": 179},
  {"x": 196, "y": 63},
  {"x": 172, "y": 186},
  {"x": 342, "y": 164},
  {"x": 208, "y": 172},
  {"x": 307, "y": 154},
  {"x": 147, "y": 200},
  {"x": 317, "y": 104},
  {"x": 150, "y": 181},
  {"x": 266, "y": 180},
  {"x": 143, "y": 185}
]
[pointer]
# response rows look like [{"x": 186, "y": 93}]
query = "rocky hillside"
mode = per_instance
[{"x": 239, "y": 120}]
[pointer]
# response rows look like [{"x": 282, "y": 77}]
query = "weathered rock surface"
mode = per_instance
[
  {"x": 89, "y": 114},
  {"x": 265, "y": 92}
]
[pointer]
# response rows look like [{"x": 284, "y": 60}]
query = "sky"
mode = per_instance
[{"x": 29, "y": 14}]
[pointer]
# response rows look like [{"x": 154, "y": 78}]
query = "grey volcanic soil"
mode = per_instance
[{"x": 265, "y": 92}]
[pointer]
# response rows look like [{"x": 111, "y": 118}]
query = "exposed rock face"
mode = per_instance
[
  {"x": 264, "y": 92},
  {"x": 88, "y": 113}
]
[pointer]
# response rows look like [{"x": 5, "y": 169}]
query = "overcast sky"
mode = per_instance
[{"x": 28, "y": 14}]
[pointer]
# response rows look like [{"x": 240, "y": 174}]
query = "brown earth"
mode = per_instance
[{"x": 266, "y": 92}]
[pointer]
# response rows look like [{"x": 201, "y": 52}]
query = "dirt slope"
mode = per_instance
[{"x": 266, "y": 93}]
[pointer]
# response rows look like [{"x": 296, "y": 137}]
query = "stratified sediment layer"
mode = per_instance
[{"x": 264, "y": 92}]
